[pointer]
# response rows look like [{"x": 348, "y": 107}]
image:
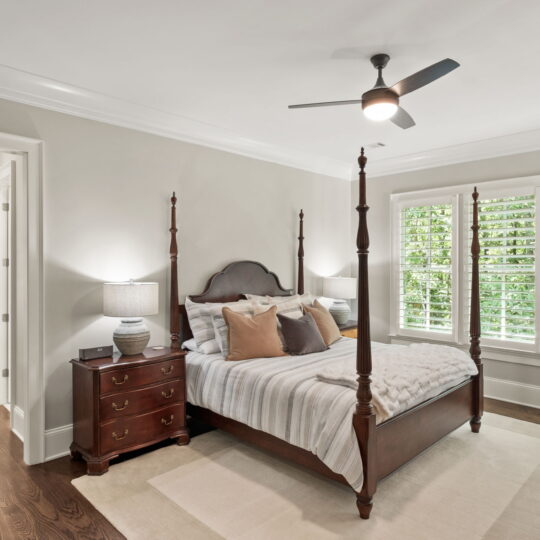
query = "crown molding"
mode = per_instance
[
  {"x": 515, "y": 143},
  {"x": 31, "y": 89}
]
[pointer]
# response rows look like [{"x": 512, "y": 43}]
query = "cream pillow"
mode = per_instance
[{"x": 253, "y": 337}]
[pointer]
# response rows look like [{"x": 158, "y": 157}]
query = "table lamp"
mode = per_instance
[
  {"x": 340, "y": 289},
  {"x": 131, "y": 301}
]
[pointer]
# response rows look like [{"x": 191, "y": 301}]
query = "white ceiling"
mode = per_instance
[{"x": 223, "y": 72}]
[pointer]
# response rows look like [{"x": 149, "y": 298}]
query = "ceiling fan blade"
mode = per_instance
[
  {"x": 424, "y": 76},
  {"x": 325, "y": 104},
  {"x": 403, "y": 119}
]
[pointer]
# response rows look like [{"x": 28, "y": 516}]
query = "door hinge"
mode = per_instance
[
  {"x": 5, "y": 317},
  {"x": 5, "y": 262},
  {"x": 5, "y": 372},
  {"x": 5, "y": 206}
]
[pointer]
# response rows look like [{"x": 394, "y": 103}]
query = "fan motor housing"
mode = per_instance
[{"x": 379, "y": 95}]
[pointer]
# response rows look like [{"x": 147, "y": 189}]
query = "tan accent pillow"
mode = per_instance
[
  {"x": 325, "y": 322},
  {"x": 253, "y": 337}
]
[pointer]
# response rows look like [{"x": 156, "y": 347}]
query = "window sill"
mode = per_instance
[{"x": 500, "y": 354}]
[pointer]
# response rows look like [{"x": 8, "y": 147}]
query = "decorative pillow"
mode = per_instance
[
  {"x": 190, "y": 345},
  {"x": 209, "y": 347},
  {"x": 253, "y": 337},
  {"x": 290, "y": 308},
  {"x": 306, "y": 298},
  {"x": 199, "y": 322},
  {"x": 221, "y": 330},
  {"x": 301, "y": 335},
  {"x": 327, "y": 326},
  {"x": 270, "y": 299}
]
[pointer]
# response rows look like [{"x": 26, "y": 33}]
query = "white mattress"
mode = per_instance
[{"x": 282, "y": 396}]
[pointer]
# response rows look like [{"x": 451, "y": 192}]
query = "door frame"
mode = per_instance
[
  {"x": 6, "y": 171},
  {"x": 28, "y": 320}
]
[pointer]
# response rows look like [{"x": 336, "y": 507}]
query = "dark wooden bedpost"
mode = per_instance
[
  {"x": 364, "y": 416},
  {"x": 300, "y": 283},
  {"x": 475, "y": 351},
  {"x": 173, "y": 252}
]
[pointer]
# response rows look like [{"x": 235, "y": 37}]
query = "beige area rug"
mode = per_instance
[{"x": 465, "y": 487}]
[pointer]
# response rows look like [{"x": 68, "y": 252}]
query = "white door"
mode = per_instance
[{"x": 7, "y": 177}]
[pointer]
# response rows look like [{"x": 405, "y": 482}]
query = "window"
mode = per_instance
[
  {"x": 507, "y": 267},
  {"x": 426, "y": 268},
  {"x": 431, "y": 264}
]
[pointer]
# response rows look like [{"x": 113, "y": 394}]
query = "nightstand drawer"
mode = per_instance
[
  {"x": 128, "y": 377},
  {"x": 141, "y": 429},
  {"x": 140, "y": 400}
]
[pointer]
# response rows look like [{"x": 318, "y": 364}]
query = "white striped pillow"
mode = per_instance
[
  {"x": 291, "y": 308},
  {"x": 221, "y": 329},
  {"x": 306, "y": 298},
  {"x": 200, "y": 322}
]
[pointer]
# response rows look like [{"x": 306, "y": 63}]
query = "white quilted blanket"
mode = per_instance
[{"x": 403, "y": 377}]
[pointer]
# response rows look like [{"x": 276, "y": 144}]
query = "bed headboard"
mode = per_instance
[
  {"x": 238, "y": 278},
  {"x": 227, "y": 285}
]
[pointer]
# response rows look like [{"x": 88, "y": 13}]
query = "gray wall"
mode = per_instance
[
  {"x": 106, "y": 217},
  {"x": 378, "y": 197}
]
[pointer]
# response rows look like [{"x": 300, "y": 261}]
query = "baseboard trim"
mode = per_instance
[
  {"x": 57, "y": 442},
  {"x": 17, "y": 422},
  {"x": 512, "y": 391}
]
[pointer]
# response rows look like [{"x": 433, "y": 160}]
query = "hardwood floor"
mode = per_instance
[
  {"x": 40, "y": 503},
  {"x": 504, "y": 408}
]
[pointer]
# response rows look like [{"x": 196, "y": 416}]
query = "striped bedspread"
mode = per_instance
[{"x": 283, "y": 396}]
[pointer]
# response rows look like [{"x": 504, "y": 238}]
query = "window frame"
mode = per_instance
[
  {"x": 507, "y": 344},
  {"x": 460, "y": 195},
  {"x": 452, "y": 200}
]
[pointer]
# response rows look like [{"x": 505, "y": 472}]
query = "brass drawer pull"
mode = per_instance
[
  {"x": 117, "y": 437},
  {"x": 167, "y": 422},
  {"x": 169, "y": 395},
  {"x": 167, "y": 371},
  {"x": 120, "y": 382},
  {"x": 117, "y": 408}
]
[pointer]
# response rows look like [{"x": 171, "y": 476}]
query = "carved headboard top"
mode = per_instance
[
  {"x": 229, "y": 285},
  {"x": 238, "y": 278}
]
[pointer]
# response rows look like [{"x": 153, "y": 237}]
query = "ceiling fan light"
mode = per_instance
[{"x": 380, "y": 111}]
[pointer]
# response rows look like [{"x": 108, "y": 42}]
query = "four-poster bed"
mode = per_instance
[{"x": 385, "y": 446}]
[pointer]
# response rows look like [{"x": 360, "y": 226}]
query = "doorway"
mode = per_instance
[{"x": 21, "y": 318}]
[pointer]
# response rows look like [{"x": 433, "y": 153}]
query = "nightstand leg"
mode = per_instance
[
  {"x": 97, "y": 468},
  {"x": 182, "y": 438}
]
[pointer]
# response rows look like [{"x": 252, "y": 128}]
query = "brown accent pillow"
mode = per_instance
[
  {"x": 301, "y": 335},
  {"x": 253, "y": 337},
  {"x": 327, "y": 326}
]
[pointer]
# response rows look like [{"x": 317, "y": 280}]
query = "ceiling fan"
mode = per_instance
[{"x": 382, "y": 101}]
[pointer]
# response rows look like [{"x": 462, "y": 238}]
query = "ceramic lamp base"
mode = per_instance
[
  {"x": 131, "y": 337},
  {"x": 341, "y": 311}
]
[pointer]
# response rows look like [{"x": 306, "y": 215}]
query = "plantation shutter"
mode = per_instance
[
  {"x": 425, "y": 272},
  {"x": 507, "y": 268}
]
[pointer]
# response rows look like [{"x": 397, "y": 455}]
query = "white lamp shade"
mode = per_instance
[
  {"x": 130, "y": 299},
  {"x": 342, "y": 288}
]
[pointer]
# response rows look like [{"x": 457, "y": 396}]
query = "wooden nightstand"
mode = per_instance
[
  {"x": 349, "y": 329},
  {"x": 122, "y": 403}
]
